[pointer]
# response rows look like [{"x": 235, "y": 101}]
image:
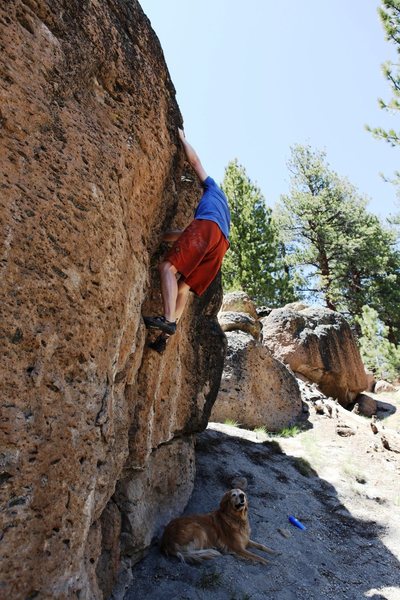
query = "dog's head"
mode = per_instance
[{"x": 234, "y": 501}]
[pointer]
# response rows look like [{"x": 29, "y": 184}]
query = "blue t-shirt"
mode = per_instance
[{"x": 213, "y": 206}]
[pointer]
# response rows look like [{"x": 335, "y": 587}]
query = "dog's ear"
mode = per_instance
[
  {"x": 240, "y": 482},
  {"x": 225, "y": 501}
]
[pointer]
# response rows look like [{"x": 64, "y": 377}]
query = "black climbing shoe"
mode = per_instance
[
  {"x": 160, "y": 323},
  {"x": 160, "y": 344}
]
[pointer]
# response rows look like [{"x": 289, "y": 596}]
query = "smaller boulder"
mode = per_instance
[
  {"x": 309, "y": 391},
  {"x": 373, "y": 425},
  {"x": 239, "y": 321},
  {"x": 239, "y": 302},
  {"x": 382, "y": 386},
  {"x": 296, "y": 306},
  {"x": 344, "y": 430},
  {"x": 263, "y": 311},
  {"x": 256, "y": 389},
  {"x": 391, "y": 441}
]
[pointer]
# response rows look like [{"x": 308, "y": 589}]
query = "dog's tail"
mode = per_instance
[{"x": 197, "y": 556}]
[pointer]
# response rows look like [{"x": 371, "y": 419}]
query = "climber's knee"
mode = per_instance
[
  {"x": 183, "y": 287},
  {"x": 165, "y": 268}
]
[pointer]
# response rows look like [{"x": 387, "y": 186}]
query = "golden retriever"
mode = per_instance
[{"x": 199, "y": 537}]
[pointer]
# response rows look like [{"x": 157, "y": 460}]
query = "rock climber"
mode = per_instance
[{"x": 197, "y": 253}]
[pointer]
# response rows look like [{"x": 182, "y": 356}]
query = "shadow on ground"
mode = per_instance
[{"x": 338, "y": 557}]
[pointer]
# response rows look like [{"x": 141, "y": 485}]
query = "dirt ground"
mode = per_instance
[{"x": 345, "y": 487}]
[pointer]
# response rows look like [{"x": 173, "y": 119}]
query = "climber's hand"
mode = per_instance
[{"x": 192, "y": 157}]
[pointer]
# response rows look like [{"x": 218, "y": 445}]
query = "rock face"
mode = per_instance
[
  {"x": 96, "y": 448},
  {"x": 256, "y": 389},
  {"x": 317, "y": 343}
]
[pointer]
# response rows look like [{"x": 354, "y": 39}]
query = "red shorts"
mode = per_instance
[{"x": 198, "y": 253}]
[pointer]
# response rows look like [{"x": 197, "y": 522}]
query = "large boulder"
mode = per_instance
[
  {"x": 317, "y": 343},
  {"x": 97, "y": 429},
  {"x": 256, "y": 389}
]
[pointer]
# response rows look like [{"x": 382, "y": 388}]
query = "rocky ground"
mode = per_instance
[{"x": 335, "y": 476}]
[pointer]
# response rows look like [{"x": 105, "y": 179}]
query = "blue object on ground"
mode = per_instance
[{"x": 297, "y": 523}]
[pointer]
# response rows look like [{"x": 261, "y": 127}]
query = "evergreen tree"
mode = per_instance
[
  {"x": 389, "y": 13},
  {"x": 384, "y": 296},
  {"x": 317, "y": 221},
  {"x": 343, "y": 254},
  {"x": 379, "y": 355},
  {"x": 252, "y": 263},
  {"x": 368, "y": 266}
]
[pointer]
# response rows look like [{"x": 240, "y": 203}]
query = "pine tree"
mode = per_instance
[
  {"x": 368, "y": 266},
  {"x": 389, "y": 13},
  {"x": 317, "y": 221},
  {"x": 384, "y": 295},
  {"x": 379, "y": 355},
  {"x": 252, "y": 263},
  {"x": 342, "y": 253}
]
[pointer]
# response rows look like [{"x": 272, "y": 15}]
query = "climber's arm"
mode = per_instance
[
  {"x": 171, "y": 235},
  {"x": 192, "y": 157}
]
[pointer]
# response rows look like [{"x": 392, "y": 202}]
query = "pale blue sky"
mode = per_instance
[{"x": 253, "y": 78}]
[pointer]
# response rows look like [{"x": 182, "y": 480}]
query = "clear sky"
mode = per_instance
[{"x": 255, "y": 77}]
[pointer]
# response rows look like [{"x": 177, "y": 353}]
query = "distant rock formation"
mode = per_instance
[
  {"x": 239, "y": 302},
  {"x": 96, "y": 448},
  {"x": 238, "y": 321},
  {"x": 318, "y": 344},
  {"x": 382, "y": 386}
]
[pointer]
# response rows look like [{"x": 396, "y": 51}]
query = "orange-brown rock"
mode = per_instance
[
  {"x": 317, "y": 343},
  {"x": 91, "y": 176}
]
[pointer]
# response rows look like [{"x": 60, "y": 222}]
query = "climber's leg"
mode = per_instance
[
  {"x": 183, "y": 294},
  {"x": 169, "y": 289},
  {"x": 169, "y": 292},
  {"x": 160, "y": 344}
]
